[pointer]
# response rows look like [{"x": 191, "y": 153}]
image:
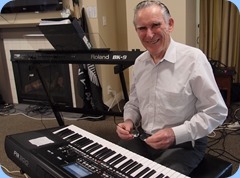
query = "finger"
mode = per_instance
[
  {"x": 122, "y": 132},
  {"x": 125, "y": 135},
  {"x": 152, "y": 139}
]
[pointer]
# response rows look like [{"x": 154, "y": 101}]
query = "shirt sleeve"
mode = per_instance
[{"x": 210, "y": 106}]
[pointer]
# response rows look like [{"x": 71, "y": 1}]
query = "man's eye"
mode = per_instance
[
  {"x": 141, "y": 28},
  {"x": 157, "y": 25}
]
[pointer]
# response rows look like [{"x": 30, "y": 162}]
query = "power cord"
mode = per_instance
[
  {"x": 39, "y": 113},
  {"x": 114, "y": 94},
  {"x": 41, "y": 109},
  {"x": 6, "y": 109},
  {"x": 13, "y": 173},
  {"x": 219, "y": 136}
]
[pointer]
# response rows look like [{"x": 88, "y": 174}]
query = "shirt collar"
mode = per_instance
[{"x": 170, "y": 54}]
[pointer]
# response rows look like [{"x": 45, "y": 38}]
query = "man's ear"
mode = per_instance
[{"x": 170, "y": 24}]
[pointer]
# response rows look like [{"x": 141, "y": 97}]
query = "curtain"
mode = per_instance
[{"x": 219, "y": 36}]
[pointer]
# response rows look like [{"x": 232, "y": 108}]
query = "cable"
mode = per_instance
[
  {"x": 114, "y": 99},
  {"x": 212, "y": 135},
  {"x": 234, "y": 111},
  {"x": 32, "y": 111},
  {"x": 219, "y": 138},
  {"x": 8, "y": 20},
  {"x": 41, "y": 109},
  {"x": 38, "y": 113},
  {"x": 111, "y": 105},
  {"x": 34, "y": 118},
  {"x": 236, "y": 114},
  {"x": 225, "y": 154},
  {"x": 114, "y": 120},
  {"x": 5, "y": 109},
  {"x": 53, "y": 118},
  {"x": 119, "y": 107},
  {"x": 232, "y": 126},
  {"x": 90, "y": 117},
  {"x": 13, "y": 173}
]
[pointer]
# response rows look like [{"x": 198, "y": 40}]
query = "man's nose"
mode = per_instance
[{"x": 149, "y": 33}]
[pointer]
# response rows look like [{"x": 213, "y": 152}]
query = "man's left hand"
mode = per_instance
[{"x": 162, "y": 139}]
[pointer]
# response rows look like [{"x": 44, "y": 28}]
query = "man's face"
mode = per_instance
[{"x": 152, "y": 30}]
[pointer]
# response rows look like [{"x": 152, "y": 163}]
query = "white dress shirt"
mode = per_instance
[{"x": 179, "y": 92}]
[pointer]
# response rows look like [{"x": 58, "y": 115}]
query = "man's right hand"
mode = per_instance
[{"x": 123, "y": 130}]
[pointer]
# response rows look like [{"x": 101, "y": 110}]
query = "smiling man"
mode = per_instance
[{"x": 173, "y": 97}]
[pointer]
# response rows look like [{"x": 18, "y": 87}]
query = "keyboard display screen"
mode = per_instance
[{"x": 77, "y": 170}]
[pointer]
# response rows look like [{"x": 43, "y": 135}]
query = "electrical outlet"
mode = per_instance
[{"x": 109, "y": 90}]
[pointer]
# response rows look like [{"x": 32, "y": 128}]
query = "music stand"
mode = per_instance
[{"x": 65, "y": 34}]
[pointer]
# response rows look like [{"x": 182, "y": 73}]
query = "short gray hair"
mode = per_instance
[{"x": 147, "y": 3}]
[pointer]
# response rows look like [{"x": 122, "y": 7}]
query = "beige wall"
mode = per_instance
[
  {"x": 184, "y": 14},
  {"x": 108, "y": 33},
  {"x": 191, "y": 22},
  {"x": 121, "y": 16}
]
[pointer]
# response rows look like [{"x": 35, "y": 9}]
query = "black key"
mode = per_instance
[
  {"x": 65, "y": 132},
  {"x": 114, "y": 158},
  {"x": 87, "y": 142},
  {"x": 99, "y": 151},
  {"x": 160, "y": 176},
  {"x": 134, "y": 169},
  {"x": 144, "y": 171},
  {"x": 73, "y": 137},
  {"x": 83, "y": 142},
  {"x": 79, "y": 142},
  {"x": 110, "y": 153},
  {"x": 149, "y": 174},
  {"x": 130, "y": 166},
  {"x": 94, "y": 148},
  {"x": 125, "y": 164},
  {"x": 104, "y": 152},
  {"x": 90, "y": 146},
  {"x": 119, "y": 160}
]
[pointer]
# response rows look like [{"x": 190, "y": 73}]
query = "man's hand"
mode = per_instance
[
  {"x": 162, "y": 139},
  {"x": 123, "y": 130}
]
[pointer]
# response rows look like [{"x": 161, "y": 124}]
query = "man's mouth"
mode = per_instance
[{"x": 153, "y": 41}]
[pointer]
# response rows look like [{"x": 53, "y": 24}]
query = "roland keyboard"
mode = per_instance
[
  {"x": 75, "y": 57},
  {"x": 70, "y": 151}
]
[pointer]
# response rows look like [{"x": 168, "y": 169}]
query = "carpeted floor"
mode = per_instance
[{"x": 223, "y": 143}]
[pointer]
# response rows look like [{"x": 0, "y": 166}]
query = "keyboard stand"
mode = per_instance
[{"x": 50, "y": 99}]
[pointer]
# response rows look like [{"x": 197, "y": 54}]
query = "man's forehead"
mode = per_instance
[{"x": 145, "y": 21}]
